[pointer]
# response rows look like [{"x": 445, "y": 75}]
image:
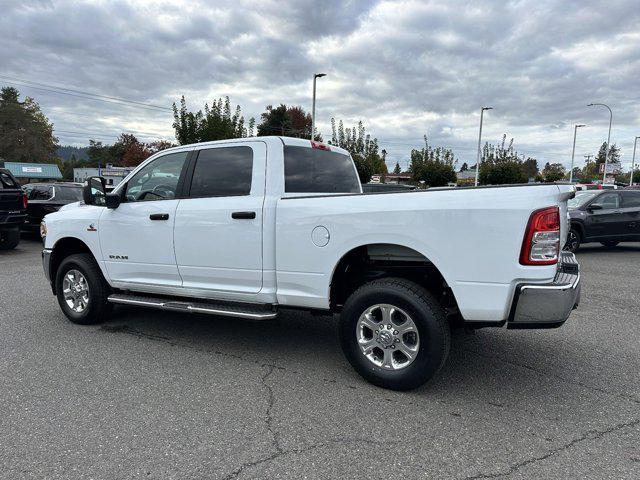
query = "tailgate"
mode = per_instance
[{"x": 10, "y": 200}]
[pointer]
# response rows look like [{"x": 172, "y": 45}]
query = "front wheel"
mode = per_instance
[
  {"x": 81, "y": 289},
  {"x": 394, "y": 333},
  {"x": 573, "y": 241},
  {"x": 609, "y": 243}
]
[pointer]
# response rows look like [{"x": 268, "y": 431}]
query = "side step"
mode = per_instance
[{"x": 230, "y": 310}]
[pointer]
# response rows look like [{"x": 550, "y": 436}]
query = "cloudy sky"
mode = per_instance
[{"x": 405, "y": 68}]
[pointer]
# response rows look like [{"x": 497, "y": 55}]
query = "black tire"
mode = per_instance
[
  {"x": 573, "y": 240},
  {"x": 426, "y": 313},
  {"x": 97, "y": 308},
  {"x": 9, "y": 239},
  {"x": 609, "y": 243}
]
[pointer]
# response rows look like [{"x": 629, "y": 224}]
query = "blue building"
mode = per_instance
[{"x": 33, "y": 172}]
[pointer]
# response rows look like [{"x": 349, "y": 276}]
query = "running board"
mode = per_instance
[{"x": 239, "y": 310}]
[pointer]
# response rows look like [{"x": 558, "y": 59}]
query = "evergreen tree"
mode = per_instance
[
  {"x": 215, "y": 123},
  {"x": 397, "y": 169},
  {"x": 26, "y": 135}
]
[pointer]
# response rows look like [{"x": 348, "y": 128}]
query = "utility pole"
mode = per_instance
[
  {"x": 633, "y": 160},
  {"x": 313, "y": 105},
  {"x": 573, "y": 152},
  {"x": 606, "y": 156},
  {"x": 480, "y": 142}
]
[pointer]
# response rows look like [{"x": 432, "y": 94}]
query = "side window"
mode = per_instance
[
  {"x": 222, "y": 172},
  {"x": 70, "y": 194},
  {"x": 41, "y": 192},
  {"x": 608, "y": 201},
  {"x": 158, "y": 180},
  {"x": 631, "y": 199}
]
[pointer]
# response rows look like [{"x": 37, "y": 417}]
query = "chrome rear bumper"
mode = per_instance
[{"x": 548, "y": 305}]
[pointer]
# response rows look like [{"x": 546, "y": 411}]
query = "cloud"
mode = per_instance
[{"x": 405, "y": 68}]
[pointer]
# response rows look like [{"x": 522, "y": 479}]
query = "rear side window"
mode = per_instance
[
  {"x": 311, "y": 170},
  {"x": 70, "y": 194},
  {"x": 631, "y": 199},
  {"x": 222, "y": 172},
  {"x": 41, "y": 192},
  {"x": 7, "y": 181}
]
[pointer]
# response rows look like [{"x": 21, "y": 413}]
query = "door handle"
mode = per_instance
[
  {"x": 159, "y": 216},
  {"x": 243, "y": 215}
]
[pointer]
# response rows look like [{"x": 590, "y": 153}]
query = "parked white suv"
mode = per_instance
[{"x": 247, "y": 227}]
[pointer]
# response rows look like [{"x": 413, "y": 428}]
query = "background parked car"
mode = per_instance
[
  {"x": 604, "y": 216},
  {"x": 13, "y": 204},
  {"x": 44, "y": 198}
]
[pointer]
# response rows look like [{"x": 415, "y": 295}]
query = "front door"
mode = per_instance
[
  {"x": 218, "y": 230},
  {"x": 137, "y": 237},
  {"x": 607, "y": 221}
]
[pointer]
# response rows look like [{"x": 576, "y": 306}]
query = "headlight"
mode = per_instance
[{"x": 43, "y": 229}]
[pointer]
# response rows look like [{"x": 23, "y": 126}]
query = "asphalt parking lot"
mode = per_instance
[{"x": 161, "y": 395}]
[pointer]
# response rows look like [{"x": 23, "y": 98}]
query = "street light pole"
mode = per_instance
[
  {"x": 573, "y": 152},
  {"x": 313, "y": 104},
  {"x": 606, "y": 157},
  {"x": 633, "y": 160},
  {"x": 480, "y": 142}
]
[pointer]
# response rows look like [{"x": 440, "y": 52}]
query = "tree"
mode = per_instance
[
  {"x": 464, "y": 167},
  {"x": 26, "y": 135},
  {"x": 397, "y": 169},
  {"x": 553, "y": 172},
  {"x": 286, "y": 121},
  {"x": 434, "y": 167},
  {"x": 501, "y": 165},
  {"x": 215, "y": 123},
  {"x": 363, "y": 149}
]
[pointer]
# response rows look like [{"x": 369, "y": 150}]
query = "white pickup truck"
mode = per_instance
[{"x": 248, "y": 227}]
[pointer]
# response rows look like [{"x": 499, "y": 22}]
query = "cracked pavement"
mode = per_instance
[{"x": 162, "y": 395}]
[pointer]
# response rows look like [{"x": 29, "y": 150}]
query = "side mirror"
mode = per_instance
[
  {"x": 113, "y": 200},
  {"x": 93, "y": 192},
  {"x": 594, "y": 207}
]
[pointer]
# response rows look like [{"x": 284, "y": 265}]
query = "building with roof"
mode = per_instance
[
  {"x": 32, "y": 172},
  {"x": 112, "y": 175}
]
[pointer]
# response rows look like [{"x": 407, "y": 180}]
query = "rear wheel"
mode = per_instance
[
  {"x": 573, "y": 240},
  {"x": 610, "y": 243},
  {"x": 9, "y": 239},
  {"x": 394, "y": 333},
  {"x": 81, "y": 289}
]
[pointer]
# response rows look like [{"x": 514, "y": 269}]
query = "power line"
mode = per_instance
[{"x": 80, "y": 94}]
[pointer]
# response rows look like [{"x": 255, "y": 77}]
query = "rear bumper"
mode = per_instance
[
  {"x": 547, "y": 305},
  {"x": 11, "y": 220}
]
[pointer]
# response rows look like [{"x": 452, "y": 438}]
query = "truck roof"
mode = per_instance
[{"x": 298, "y": 142}]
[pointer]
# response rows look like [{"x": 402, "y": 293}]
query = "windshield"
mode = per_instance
[{"x": 581, "y": 198}]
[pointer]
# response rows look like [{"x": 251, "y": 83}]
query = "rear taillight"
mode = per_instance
[
  {"x": 24, "y": 200},
  {"x": 541, "y": 245},
  {"x": 320, "y": 146}
]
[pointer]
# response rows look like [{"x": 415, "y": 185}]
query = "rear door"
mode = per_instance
[
  {"x": 631, "y": 212},
  {"x": 607, "y": 222},
  {"x": 218, "y": 229}
]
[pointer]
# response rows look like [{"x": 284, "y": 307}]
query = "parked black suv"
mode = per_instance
[
  {"x": 605, "y": 216},
  {"x": 13, "y": 206},
  {"x": 48, "y": 198}
]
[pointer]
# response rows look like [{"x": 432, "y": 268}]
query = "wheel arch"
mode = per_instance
[
  {"x": 371, "y": 261},
  {"x": 579, "y": 227},
  {"x": 63, "y": 248}
]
